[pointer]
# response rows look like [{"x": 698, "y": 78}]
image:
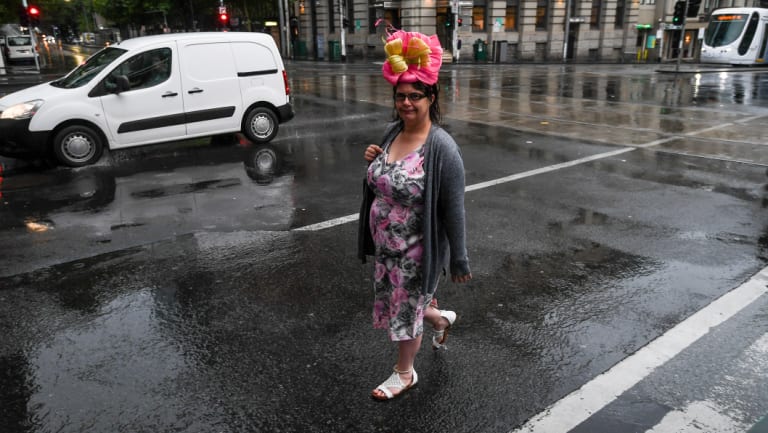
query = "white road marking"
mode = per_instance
[
  {"x": 547, "y": 169},
  {"x": 719, "y": 412},
  {"x": 327, "y": 224},
  {"x": 576, "y": 407},
  {"x": 699, "y": 416}
]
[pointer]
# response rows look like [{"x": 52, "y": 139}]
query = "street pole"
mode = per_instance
[
  {"x": 342, "y": 32},
  {"x": 192, "y": 16},
  {"x": 455, "y": 30},
  {"x": 567, "y": 28},
  {"x": 281, "y": 23},
  {"x": 682, "y": 38}
]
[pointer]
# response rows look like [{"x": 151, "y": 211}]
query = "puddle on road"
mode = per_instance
[{"x": 187, "y": 188}]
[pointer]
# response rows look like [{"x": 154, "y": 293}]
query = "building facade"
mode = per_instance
[{"x": 507, "y": 31}]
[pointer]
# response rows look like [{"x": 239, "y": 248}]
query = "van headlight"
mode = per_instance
[{"x": 25, "y": 110}]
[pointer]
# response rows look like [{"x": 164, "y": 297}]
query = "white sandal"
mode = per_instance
[
  {"x": 395, "y": 382},
  {"x": 438, "y": 340}
]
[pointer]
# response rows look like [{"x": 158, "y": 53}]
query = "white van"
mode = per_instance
[
  {"x": 20, "y": 48},
  {"x": 149, "y": 90}
]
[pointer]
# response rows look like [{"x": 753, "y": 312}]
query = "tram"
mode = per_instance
[{"x": 736, "y": 36}]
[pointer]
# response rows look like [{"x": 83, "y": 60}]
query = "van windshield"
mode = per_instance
[
  {"x": 84, "y": 73},
  {"x": 19, "y": 41}
]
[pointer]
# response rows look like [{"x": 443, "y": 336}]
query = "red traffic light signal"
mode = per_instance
[
  {"x": 224, "y": 18},
  {"x": 33, "y": 12}
]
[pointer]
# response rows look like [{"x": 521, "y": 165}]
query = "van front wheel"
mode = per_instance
[
  {"x": 77, "y": 145},
  {"x": 260, "y": 125}
]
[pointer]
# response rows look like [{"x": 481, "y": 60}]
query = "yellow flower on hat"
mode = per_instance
[
  {"x": 394, "y": 50},
  {"x": 411, "y": 57}
]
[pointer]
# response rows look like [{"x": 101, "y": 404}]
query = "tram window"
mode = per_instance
[
  {"x": 724, "y": 30},
  {"x": 746, "y": 41}
]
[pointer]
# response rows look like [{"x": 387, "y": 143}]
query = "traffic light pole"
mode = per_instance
[
  {"x": 682, "y": 37},
  {"x": 31, "y": 34}
]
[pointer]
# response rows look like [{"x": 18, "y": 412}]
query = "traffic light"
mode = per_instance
[
  {"x": 34, "y": 16},
  {"x": 223, "y": 16},
  {"x": 449, "y": 21},
  {"x": 679, "y": 14},
  {"x": 459, "y": 22}
]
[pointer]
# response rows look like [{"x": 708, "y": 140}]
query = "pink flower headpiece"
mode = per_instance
[{"x": 411, "y": 57}]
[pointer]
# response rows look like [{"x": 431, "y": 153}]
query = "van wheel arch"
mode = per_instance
[
  {"x": 261, "y": 123},
  {"x": 77, "y": 144}
]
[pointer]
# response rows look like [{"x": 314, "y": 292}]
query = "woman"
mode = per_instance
[{"x": 412, "y": 218}]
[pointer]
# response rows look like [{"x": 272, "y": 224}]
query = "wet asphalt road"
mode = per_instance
[{"x": 180, "y": 288}]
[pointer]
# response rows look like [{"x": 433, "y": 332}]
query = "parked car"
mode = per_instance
[
  {"x": 149, "y": 90},
  {"x": 20, "y": 48}
]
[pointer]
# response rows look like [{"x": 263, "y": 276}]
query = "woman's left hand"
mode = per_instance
[{"x": 461, "y": 278}]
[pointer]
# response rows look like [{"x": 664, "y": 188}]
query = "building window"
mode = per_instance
[
  {"x": 510, "y": 19},
  {"x": 710, "y": 5},
  {"x": 350, "y": 16},
  {"x": 478, "y": 18},
  {"x": 542, "y": 14},
  {"x": 331, "y": 18},
  {"x": 620, "y": 5},
  {"x": 372, "y": 18},
  {"x": 388, "y": 17},
  {"x": 594, "y": 17}
]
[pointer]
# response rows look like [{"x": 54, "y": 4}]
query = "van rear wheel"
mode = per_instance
[
  {"x": 260, "y": 125},
  {"x": 77, "y": 145}
]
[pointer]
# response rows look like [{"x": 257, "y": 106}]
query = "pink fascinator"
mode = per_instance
[{"x": 411, "y": 57}]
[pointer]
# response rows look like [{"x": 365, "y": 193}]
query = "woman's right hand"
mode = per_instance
[{"x": 371, "y": 151}]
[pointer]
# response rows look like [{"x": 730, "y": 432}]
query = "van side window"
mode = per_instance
[{"x": 144, "y": 70}]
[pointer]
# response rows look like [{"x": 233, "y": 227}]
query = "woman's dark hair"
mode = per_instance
[{"x": 434, "y": 108}]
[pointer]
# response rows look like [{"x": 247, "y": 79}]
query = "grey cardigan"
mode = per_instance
[{"x": 444, "y": 221}]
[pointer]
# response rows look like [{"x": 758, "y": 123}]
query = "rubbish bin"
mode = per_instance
[
  {"x": 334, "y": 51},
  {"x": 500, "y": 51},
  {"x": 480, "y": 50},
  {"x": 300, "y": 49}
]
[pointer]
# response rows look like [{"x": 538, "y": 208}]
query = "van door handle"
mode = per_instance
[
  {"x": 169, "y": 94},
  {"x": 195, "y": 90}
]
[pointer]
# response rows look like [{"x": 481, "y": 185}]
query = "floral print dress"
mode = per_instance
[{"x": 396, "y": 224}]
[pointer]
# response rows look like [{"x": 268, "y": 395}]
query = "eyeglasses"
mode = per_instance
[{"x": 413, "y": 97}]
